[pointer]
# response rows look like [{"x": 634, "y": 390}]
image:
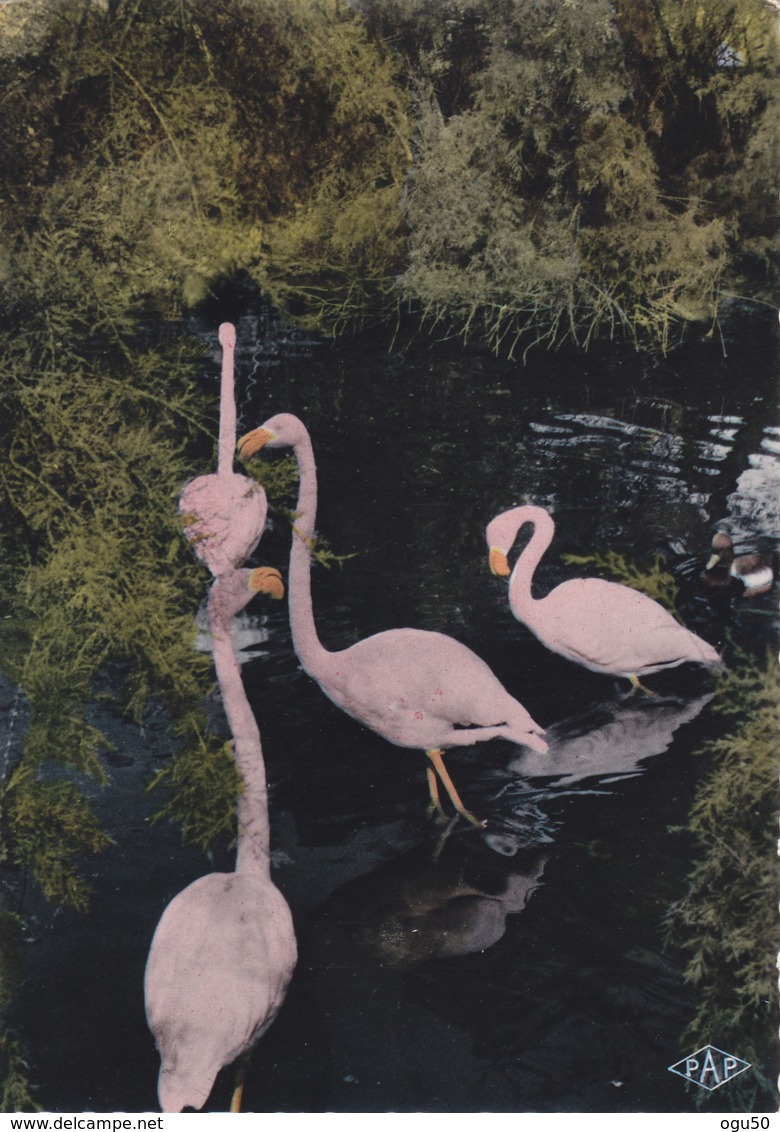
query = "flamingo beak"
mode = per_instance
[
  {"x": 712, "y": 562},
  {"x": 498, "y": 563},
  {"x": 253, "y": 441},
  {"x": 267, "y": 580}
]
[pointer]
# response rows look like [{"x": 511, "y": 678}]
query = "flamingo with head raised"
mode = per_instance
[
  {"x": 224, "y": 950},
  {"x": 604, "y": 626},
  {"x": 413, "y": 687}
]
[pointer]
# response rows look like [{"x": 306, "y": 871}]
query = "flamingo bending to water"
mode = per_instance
[
  {"x": 413, "y": 687},
  {"x": 604, "y": 626},
  {"x": 224, "y": 950}
]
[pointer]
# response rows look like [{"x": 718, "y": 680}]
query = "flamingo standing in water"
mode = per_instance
[
  {"x": 413, "y": 687},
  {"x": 224, "y": 950},
  {"x": 601, "y": 625}
]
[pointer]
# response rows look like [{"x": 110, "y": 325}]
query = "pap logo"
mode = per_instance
[{"x": 709, "y": 1067}]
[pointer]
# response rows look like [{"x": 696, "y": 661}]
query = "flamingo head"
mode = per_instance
[
  {"x": 500, "y": 535},
  {"x": 267, "y": 580},
  {"x": 498, "y": 562},
  {"x": 234, "y": 589},
  {"x": 502, "y": 531},
  {"x": 227, "y": 335},
  {"x": 282, "y": 431}
]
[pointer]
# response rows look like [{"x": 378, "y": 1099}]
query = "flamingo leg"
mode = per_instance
[
  {"x": 635, "y": 681},
  {"x": 433, "y": 787},
  {"x": 238, "y": 1088},
  {"x": 436, "y": 758}
]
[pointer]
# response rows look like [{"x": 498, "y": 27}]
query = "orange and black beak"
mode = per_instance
[
  {"x": 253, "y": 441},
  {"x": 498, "y": 563}
]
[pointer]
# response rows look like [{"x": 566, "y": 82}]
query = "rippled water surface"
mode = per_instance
[{"x": 519, "y": 969}]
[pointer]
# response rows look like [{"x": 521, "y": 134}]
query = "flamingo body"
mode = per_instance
[
  {"x": 224, "y": 513},
  {"x": 604, "y": 626},
  {"x": 216, "y": 976},
  {"x": 422, "y": 689},
  {"x": 611, "y": 628},
  {"x": 224, "y": 516},
  {"x": 224, "y": 950}
]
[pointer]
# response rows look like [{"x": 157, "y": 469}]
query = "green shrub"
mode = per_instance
[{"x": 726, "y": 923}]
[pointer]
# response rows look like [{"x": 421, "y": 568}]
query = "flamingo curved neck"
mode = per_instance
[
  {"x": 253, "y": 853},
  {"x": 520, "y": 595},
  {"x": 313, "y": 657}
]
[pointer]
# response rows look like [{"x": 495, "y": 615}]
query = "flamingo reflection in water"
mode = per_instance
[{"x": 610, "y": 741}]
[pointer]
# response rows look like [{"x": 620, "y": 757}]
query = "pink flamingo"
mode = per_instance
[
  {"x": 224, "y": 514},
  {"x": 413, "y": 687},
  {"x": 224, "y": 950},
  {"x": 601, "y": 625}
]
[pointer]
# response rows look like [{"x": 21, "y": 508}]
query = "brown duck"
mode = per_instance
[{"x": 755, "y": 572}]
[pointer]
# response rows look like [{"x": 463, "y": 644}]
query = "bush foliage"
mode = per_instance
[
  {"x": 153, "y": 148},
  {"x": 726, "y": 923},
  {"x": 587, "y": 168},
  {"x": 574, "y": 169}
]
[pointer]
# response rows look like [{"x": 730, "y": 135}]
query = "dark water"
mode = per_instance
[{"x": 522, "y": 969}]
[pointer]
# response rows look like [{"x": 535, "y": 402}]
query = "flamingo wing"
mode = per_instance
[
  {"x": 220, "y": 961},
  {"x": 224, "y": 517},
  {"x": 417, "y": 688},
  {"x": 608, "y": 627}
]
